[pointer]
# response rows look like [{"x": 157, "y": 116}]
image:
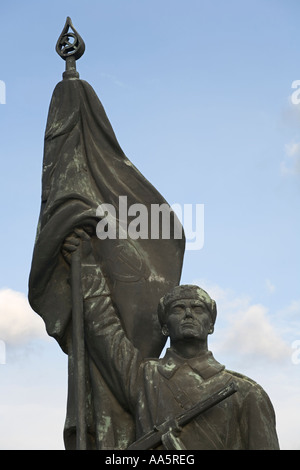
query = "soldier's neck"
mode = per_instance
[{"x": 190, "y": 348}]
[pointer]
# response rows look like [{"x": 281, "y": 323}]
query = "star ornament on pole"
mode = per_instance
[{"x": 70, "y": 47}]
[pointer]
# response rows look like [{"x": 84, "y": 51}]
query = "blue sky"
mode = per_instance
[{"x": 199, "y": 95}]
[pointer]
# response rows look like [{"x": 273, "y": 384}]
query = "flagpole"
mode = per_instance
[
  {"x": 78, "y": 349},
  {"x": 70, "y": 47}
]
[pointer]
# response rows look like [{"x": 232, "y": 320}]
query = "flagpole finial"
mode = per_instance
[{"x": 70, "y": 47}]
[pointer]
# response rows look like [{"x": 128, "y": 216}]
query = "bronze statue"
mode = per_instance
[
  {"x": 99, "y": 300},
  {"x": 157, "y": 390},
  {"x": 84, "y": 168}
]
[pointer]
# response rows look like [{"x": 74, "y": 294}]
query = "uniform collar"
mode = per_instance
[{"x": 205, "y": 364}]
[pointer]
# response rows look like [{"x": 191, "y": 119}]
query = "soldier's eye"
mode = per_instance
[
  {"x": 197, "y": 309},
  {"x": 177, "y": 309}
]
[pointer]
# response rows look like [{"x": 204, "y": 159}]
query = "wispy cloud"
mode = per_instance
[
  {"x": 287, "y": 319},
  {"x": 269, "y": 286},
  {"x": 290, "y": 165},
  {"x": 113, "y": 79},
  {"x": 245, "y": 328},
  {"x": 251, "y": 332}
]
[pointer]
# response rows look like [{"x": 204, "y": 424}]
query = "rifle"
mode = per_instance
[{"x": 153, "y": 439}]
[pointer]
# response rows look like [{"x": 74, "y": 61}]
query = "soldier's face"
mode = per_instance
[{"x": 187, "y": 319}]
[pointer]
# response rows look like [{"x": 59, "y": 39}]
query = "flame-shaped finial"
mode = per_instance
[{"x": 70, "y": 47}]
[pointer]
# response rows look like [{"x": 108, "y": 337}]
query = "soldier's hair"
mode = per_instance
[{"x": 185, "y": 292}]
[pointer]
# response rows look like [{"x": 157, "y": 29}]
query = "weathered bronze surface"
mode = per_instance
[
  {"x": 112, "y": 303},
  {"x": 83, "y": 167}
]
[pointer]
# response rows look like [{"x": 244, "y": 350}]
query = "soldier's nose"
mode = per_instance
[{"x": 188, "y": 312}]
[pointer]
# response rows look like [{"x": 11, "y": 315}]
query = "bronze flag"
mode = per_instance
[{"x": 84, "y": 167}]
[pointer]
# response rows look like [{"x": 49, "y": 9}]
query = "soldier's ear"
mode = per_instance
[{"x": 165, "y": 330}]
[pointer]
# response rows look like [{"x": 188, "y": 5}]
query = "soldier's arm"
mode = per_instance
[
  {"x": 115, "y": 356},
  {"x": 258, "y": 421}
]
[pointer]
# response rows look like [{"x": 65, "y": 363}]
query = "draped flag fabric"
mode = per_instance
[{"x": 84, "y": 167}]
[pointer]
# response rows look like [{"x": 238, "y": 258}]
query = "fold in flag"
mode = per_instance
[{"x": 84, "y": 167}]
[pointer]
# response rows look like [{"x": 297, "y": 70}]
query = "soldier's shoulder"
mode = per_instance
[
  {"x": 240, "y": 377},
  {"x": 244, "y": 382}
]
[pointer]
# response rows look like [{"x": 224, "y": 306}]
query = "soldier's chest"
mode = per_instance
[{"x": 177, "y": 393}]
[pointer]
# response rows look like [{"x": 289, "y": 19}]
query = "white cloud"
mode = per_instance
[
  {"x": 251, "y": 333},
  {"x": 19, "y": 324},
  {"x": 245, "y": 329}
]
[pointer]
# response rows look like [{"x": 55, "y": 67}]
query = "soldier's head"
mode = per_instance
[{"x": 187, "y": 312}]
